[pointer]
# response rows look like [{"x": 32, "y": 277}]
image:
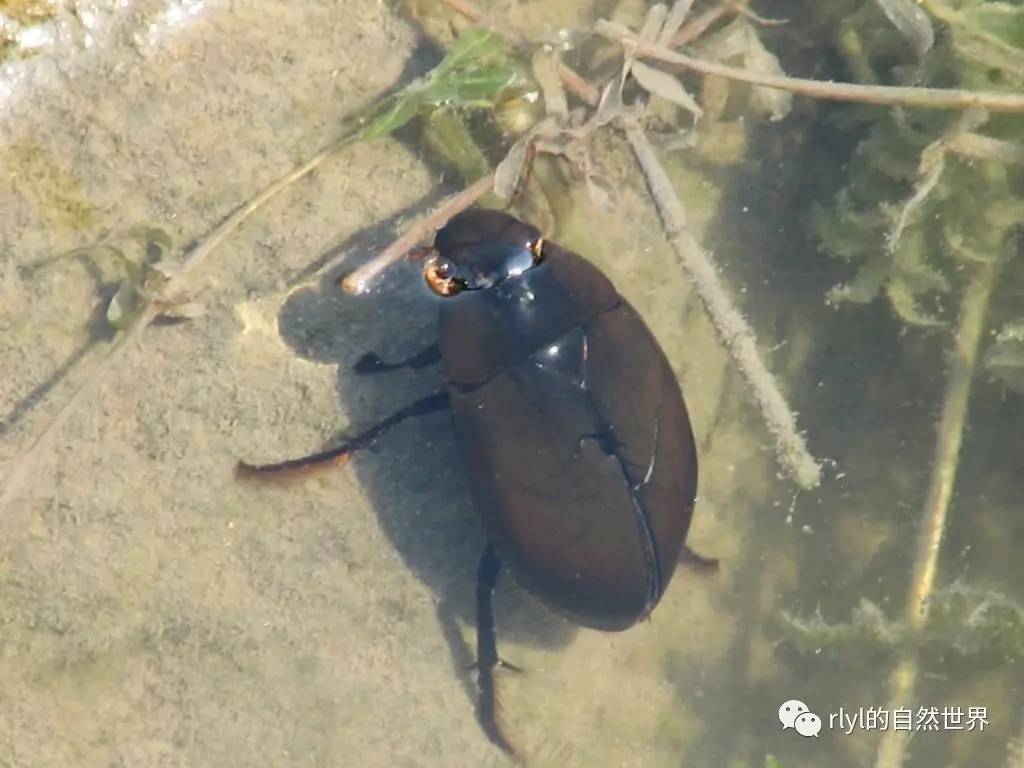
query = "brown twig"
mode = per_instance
[
  {"x": 926, "y": 98},
  {"x": 698, "y": 26},
  {"x": 577, "y": 84},
  {"x": 358, "y": 281},
  {"x": 467, "y": 9},
  {"x": 243, "y": 212},
  {"x": 732, "y": 327}
]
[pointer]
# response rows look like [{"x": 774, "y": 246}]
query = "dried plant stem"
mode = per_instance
[
  {"x": 216, "y": 236},
  {"x": 577, "y": 84},
  {"x": 732, "y": 328},
  {"x": 973, "y": 310},
  {"x": 927, "y": 98},
  {"x": 697, "y": 27},
  {"x": 359, "y": 281},
  {"x": 151, "y": 310},
  {"x": 676, "y": 16},
  {"x": 467, "y": 9}
]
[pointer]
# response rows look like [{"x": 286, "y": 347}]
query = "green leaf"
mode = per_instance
[
  {"x": 448, "y": 135},
  {"x": 405, "y": 107},
  {"x": 462, "y": 79},
  {"x": 1003, "y": 21},
  {"x": 479, "y": 86},
  {"x": 472, "y": 45},
  {"x": 866, "y": 283},
  {"x": 904, "y": 301}
]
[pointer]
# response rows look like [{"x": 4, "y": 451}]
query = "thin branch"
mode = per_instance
[
  {"x": 698, "y": 26},
  {"x": 732, "y": 328},
  {"x": 676, "y": 16},
  {"x": 926, "y": 98},
  {"x": 577, "y": 84},
  {"x": 243, "y": 212},
  {"x": 359, "y": 281},
  {"x": 467, "y": 9}
]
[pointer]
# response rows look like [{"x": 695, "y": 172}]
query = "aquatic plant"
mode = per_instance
[{"x": 929, "y": 217}]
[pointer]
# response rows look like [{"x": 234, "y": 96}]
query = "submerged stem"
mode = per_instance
[
  {"x": 732, "y": 327},
  {"x": 966, "y": 341},
  {"x": 885, "y": 95}
]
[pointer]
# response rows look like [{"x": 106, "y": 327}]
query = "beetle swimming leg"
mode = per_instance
[
  {"x": 371, "y": 362},
  {"x": 698, "y": 562},
  {"x": 338, "y": 457},
  {"x": 487, "y": 649}
]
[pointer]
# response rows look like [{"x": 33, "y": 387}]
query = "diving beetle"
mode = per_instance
[{"x": 578, "y": 445}]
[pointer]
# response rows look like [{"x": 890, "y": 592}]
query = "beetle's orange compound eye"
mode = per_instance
[
  {"x": 537, "y": 249},
  {"x": 439, "y": 281}
]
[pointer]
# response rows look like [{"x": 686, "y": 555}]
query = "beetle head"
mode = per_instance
[{"x": 480, "y": 248}]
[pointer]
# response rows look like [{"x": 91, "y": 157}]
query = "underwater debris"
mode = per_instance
[{"x": 1005, "y": 358}]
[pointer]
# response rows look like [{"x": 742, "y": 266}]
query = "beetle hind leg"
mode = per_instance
[
  {"x": 339, "y": 456},
  {"x": 293, "y": 469},
  {"x": 487, "y": 652},
  {"x": 698, "y": 562},
  {"x": 372, "y": 363}
]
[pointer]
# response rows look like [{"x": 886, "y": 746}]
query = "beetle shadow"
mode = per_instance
[{"x": 414, "y": 475}]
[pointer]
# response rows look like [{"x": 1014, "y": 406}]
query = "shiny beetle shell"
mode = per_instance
[{"x": 578, "y": 445}]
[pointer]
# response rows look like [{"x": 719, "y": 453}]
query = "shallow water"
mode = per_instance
[{"x": 155, "y": 612}]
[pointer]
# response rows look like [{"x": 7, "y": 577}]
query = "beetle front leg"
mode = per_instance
[
  {"x": 371, "y": 362},
  {"x": 338, "y": 457},
  {"x": 487, "y": 650}
]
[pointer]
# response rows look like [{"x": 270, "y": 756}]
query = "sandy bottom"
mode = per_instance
[{"x": 153, "y": 611}]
